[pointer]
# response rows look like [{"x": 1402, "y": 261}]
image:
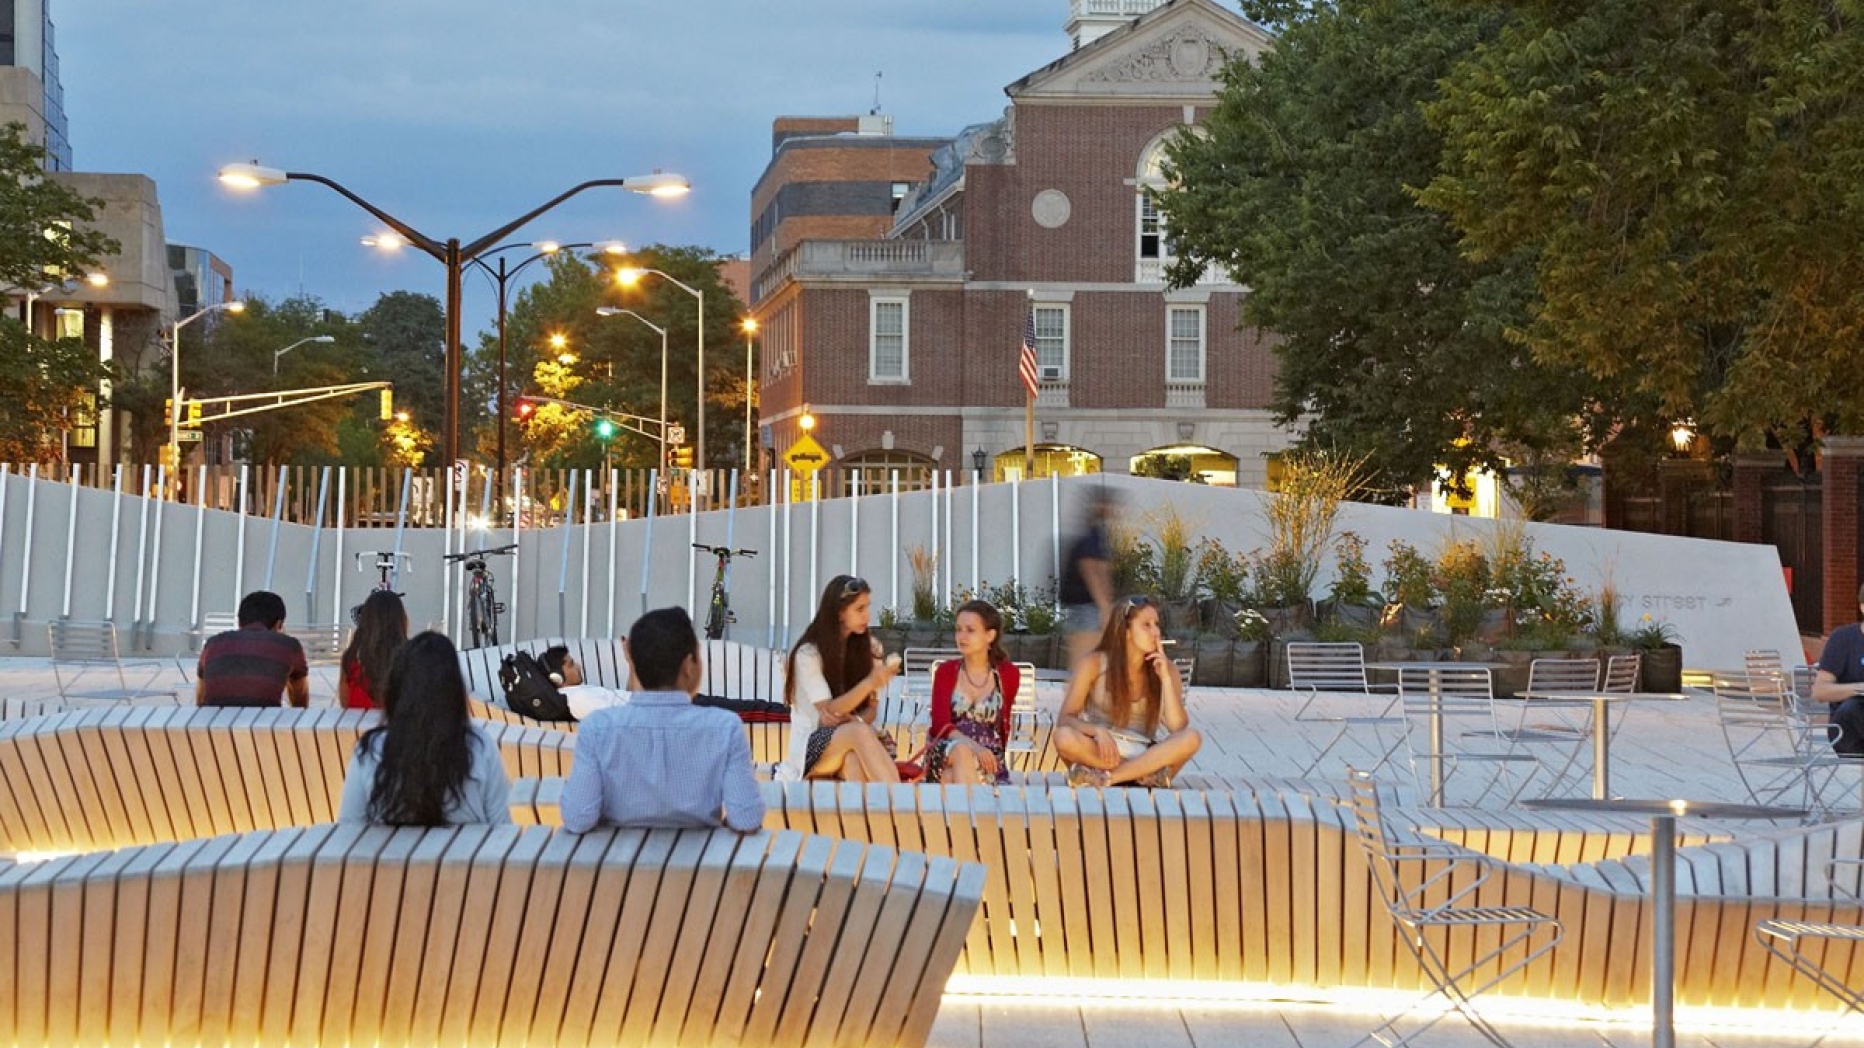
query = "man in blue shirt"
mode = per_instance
[
  {"x": 660, "y": 760},
  {"x": 1840, "y": 681}
]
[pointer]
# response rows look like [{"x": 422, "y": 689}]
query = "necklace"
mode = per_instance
[{"x": 976, "y": 684}]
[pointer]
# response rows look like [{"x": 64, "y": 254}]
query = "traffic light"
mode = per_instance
[
  {"x": 683, "y": 458},
  {"x": 388, "y": 405},
  {"x": 604, "y": 428},
  {"x": 523, "y": 410},
  {"x": 194, "y": 412},
  {"x": 168, "y": 412}
]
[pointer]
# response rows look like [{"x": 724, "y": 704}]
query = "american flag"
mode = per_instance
[{"x": 1028, "y": 365}]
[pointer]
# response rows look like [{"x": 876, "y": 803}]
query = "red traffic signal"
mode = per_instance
[{"x": 522, "y": 412}]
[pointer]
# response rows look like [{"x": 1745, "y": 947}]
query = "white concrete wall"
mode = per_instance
[{"x": 93, "y": 554}]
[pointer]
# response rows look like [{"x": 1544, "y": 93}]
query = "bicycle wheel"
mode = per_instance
[
  {"x": 479, "y": 619},
  {"x": 716, "y": 618}
]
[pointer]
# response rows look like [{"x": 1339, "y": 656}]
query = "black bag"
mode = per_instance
[{"x": 528, "y": 690}]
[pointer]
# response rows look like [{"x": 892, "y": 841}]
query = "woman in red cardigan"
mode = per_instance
[{"x": 971, "y": 700}]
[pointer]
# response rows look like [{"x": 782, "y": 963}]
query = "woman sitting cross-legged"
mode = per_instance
[
  {"x": 971, "y": 700},
  {"x": 428, "y": 764},
  {"x": 836, "y": 677},
  {"x": 1122, "y": 694}
]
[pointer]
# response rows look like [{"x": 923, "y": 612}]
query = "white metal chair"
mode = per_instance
[
  {"x": 1446, "y": 708},
  {"x": 1024, "y": 746},
  {"x": 1621, "y": 672},
  {"x": 1333, "y": 674},
  {"x": 1432, "y": 890},
  {"x": 908, "y": 705},
  {"x": 1562, "y": 724},
  {"x": 1807, "y": 946},
  {"x": 83, "y": 649},
  {"x": 1777, "y": 741}
]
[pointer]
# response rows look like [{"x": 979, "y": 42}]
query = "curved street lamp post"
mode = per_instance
[
  {"x": 174, "y": 373},
  {"x": 613, "y": 311},
  {"x": 628, "y": 277},
  {"x": 450, "y": 253}
]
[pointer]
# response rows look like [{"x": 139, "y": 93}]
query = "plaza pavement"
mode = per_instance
[{"x": 1671, "y": 749}]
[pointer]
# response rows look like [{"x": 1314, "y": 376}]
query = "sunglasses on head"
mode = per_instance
[
  {"x": 1134, "y": 604},
  {"x": 854, "y": 587}
]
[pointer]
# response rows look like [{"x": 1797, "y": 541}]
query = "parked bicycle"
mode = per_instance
[
  {"x": 389, "y": 564},
  {"x": 482, "y": 604},
  {"x": 719, "y": 615}
]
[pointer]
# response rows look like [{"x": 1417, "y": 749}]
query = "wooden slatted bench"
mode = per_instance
[
  {"x": 481, "y": 935},
  {"x": 732, "y": 670},
  {"x": 110, "y": 778},
  {"x": 1264, "y": 881}
]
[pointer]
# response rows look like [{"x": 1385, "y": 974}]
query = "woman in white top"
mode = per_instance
[
  {"x": 1123, "y": 720},
  {"x": 836, "y": 676},
  {"x": 428, "y": 764}
]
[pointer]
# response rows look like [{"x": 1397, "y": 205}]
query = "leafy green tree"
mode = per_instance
[
  {"x": 236, "y": 356},
  {"x": 44, "y": 242},
  {"x": 1684, "y": 178},
  {"x": 1393, "y": 347},
  {"x": 405, "y": 335}
]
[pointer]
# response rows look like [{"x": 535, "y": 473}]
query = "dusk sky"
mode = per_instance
[{"x": 457, "y": 116}]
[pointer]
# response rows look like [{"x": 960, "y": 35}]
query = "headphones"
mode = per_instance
[{"x": 557, "y": 679}]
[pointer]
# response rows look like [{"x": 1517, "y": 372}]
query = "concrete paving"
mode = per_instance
[{"x": 1667, "y": 749}]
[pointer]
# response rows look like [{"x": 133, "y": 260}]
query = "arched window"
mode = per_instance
[
  {"x": 1195, "y": 463},
  {"x": 1062, "y": 460},
  {"x": 1154, "y": 239},
  {"x": 871, "y": 472}
]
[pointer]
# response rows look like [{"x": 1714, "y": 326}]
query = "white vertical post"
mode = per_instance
[
  {"x": 336, "y": 564},
  {"x": 317, "y": 544},
  {"x": 401, "y": 522},
  {"x": 692, "y": 536},
  {"x": 588, "y": 537},
  {"x": 563, "y": 558},
  {"x": 239, "y": 539},
  {"x": 142, "y": 543},
  {"x": 517, "y": 555},
  {"x": 893, "y": 562},
  {"x": 854, "y": 528},
  {"x": 647, "y": 544},
  {"x": 1055, "y": 525},
  {"x": 1016, "y": 531},
  {"x": 614, "y": 533},
  {"x": 116, "y": 521},
  {"x": 938, "y": 553},
  {"x": 977, "y": 494},
  {"x": 771, "y": 498},
  {"x": 71, "y": 541},
  {"x": 815, "y": 537},
  {"x": 789, "y": 539},
  {"x": 200, "y": 528},
  {"x": 278, "y": 518},
  {"x": 25, "y": 562},
  {"x": 951, "y": 545}
]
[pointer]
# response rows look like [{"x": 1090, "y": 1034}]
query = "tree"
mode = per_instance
[
  {"x": 44, "y": 242},
  {"x": 1394, "y": 346},
  {"x": 406, "y": 337},
  {"x": 236, "y": 355},
  {"x": 1683, "y": 176}
]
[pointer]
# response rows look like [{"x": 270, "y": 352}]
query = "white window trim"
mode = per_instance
[
  {"x": 1203, "y": 343},
  {"x": 1067, "y": 337},
  {"x": 874, "y": 301}
]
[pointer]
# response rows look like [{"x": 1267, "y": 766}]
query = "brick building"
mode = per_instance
[{"x": 893, "y": 277}]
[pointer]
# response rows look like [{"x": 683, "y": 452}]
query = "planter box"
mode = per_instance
[{"x": 1661, "y": 669}]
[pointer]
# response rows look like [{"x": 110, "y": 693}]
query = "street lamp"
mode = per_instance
[
  {"x": 750, "y": 331},
  {"x": 281, "y": 352},
  {"x": 174, "y": 373},
  {"x": 450, "y": 253},
  {"x": 612, "y": 311},
  {"x": 628, "y": 277}
]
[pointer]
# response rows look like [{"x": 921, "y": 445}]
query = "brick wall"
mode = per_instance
[{"x": 1840, "y": 467}]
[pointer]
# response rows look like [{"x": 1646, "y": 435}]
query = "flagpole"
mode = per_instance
[
  {"x": 1029, "y": 372},
  {"x": 1029, "y": 436}
]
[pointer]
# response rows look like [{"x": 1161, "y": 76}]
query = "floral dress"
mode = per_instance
[{"x": 978, "y": 721}]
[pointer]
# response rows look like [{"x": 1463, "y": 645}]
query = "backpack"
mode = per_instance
[{"x": 528, "y": 690}]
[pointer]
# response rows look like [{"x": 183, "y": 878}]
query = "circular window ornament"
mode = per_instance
[{"x": 1051, "y": 209}]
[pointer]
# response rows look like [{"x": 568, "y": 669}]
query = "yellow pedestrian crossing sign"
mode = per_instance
[{"x": 805, "y": 456}]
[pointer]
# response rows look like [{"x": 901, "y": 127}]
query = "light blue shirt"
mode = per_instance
[
  {"x": 661, "y": 761},
  {"x": 484, "y": 797}
]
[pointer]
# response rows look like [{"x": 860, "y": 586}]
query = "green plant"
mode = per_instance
[
  {"x": 1407, "y": 575},
  {"x": 1222, "y": 576},
  {"x": 924, "y": 564},
  {"x": 1282, "y": 579},
  {"x": 1336, "y": 631},
  {"x": 1134, "y": 566},
  {"x": 1606, "y": 628},
  {"x": 1352, "y": 576},
  {"x": 1650, "y": 634},
  {"x": 1301, "y": 516},
  {"x": 1175, "y": 555},
  {"x": 889, "y": 618}
]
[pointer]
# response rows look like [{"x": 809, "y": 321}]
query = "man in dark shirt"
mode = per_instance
[
  {"x": 1086, "y": 590},
  {"x": 255, "y": 665},
  {"x": 1840, "y": 681}
]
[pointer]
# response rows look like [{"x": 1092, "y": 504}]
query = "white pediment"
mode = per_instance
[{"x": 1176, "y": 51}]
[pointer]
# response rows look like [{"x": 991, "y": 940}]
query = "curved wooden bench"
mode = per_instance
[
  {"x": 481, "y": 935},
  {"x": 1265, "y": 882},
  {"x": 110, "y": 778},
  {"x": 732, "y": 670}
]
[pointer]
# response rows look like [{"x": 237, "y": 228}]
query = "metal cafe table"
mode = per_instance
[
  {"x": 1434, "y": 685},
  {"x": 1663, "y": 815},
  {"x": 1602, "y": 702}
]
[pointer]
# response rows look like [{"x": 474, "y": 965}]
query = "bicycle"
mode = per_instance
[
  {"x": 719, "y": 615},
  {"x": 482, "y": 605},
  {"x": 389, "y": 564}
]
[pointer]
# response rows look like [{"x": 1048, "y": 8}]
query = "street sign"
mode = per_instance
[
  {"x": 189, "y": 436},
  {"x": 805, "y": 456},
  {"x": 676, "y": 435}
]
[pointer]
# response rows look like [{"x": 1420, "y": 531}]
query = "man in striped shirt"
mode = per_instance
[{"x": 257, "y": 664}]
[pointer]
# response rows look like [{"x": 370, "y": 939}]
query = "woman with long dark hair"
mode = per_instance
[
  {"x": 836, "y": 677},
  {"x": 1123, "y": 720},
  {"x": 971, "y": 699},
  {"x": 427, "y": 764},
  {"x": 381, "y": 628}
]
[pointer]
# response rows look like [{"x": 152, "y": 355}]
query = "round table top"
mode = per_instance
[
  {"x": 1651, "y": 806},
  {"x": 1439, "y": 665},
  {"x": 1607, "y": 696}
]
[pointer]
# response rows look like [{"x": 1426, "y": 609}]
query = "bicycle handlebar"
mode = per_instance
[
  {"x": 725, "y": 551},
  {"x": 387, "y": 558},
  {"x": 472, "y": 553}
]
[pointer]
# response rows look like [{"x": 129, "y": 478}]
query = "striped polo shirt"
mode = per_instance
[{"x": 249, "y": 667}]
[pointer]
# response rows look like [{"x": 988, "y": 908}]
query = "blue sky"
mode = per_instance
[{"x": 459, "y": 115}]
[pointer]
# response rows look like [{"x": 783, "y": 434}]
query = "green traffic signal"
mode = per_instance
[{"x": 604, "y": 428}]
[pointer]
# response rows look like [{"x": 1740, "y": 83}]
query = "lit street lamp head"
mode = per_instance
[
  {"x": 251, "y": 176},
  {"x": 660, "y": 184}
]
